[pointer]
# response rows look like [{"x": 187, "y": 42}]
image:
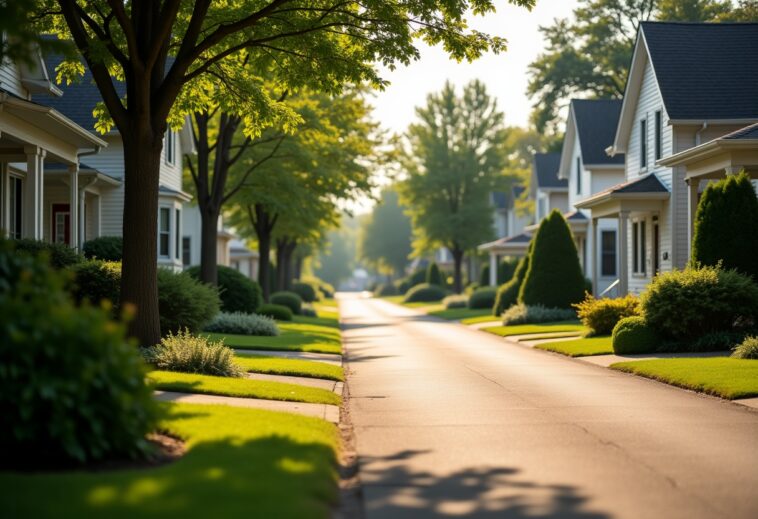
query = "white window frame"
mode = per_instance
[
  {"x": 167, "y": 233},
  {"x": 643, "y": 143},
  {"x": 603, "y": 252},
  {"x": 658, "y": 143},
  {"x": 639, "y": 247},
  {"x": 578, "y": 175},
  {"x": 169, "y": 147}
]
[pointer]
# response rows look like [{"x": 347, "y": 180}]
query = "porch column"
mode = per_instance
[
  {"x": 73, "y": 206},
  {"x": 693, "y": 186},
  {"x": 493, "y": 269},
  {"x": 623, "y": 253},
  {"x": 5, "y": 202},
  {"x": 33, "y": 220},
  {"x": 593, "y": 230}
]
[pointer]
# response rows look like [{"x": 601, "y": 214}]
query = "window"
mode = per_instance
[
  {"x": 643, "y": 143},
  {"x": 164, "y": 232},
  {"x": 658, "y": 135},
  {"x": 578, "y": 175},
  {"x": 169, "y": 144},
  {"x": 639, "y": 244},
  {"x": 16, "y": 196},
  {"x": 177, "y": 234},
  {"x": 186, "y": 252},
  {"x": 608, "y": 253},
  {"x": 541, "y": 208}
]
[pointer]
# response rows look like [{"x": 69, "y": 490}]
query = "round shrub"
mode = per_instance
[
  {"x": 601, "y": 315},
  {"x": 193, "y": 354},
  {"x": 59, "y": 255},
  {"x": 238, "y": 292},
  {"x": 278, "y": 312},
  {"x": 683, "y": 305},
  {"x": 418, "y": 277},
  {"x": 455, "y": 301},
  {"x": 106, "y": 248},
  {"x": 424, "y": 293},
  {"x": 402, "y": 286},
  {"x": 483, "y": 297},
  {"x": 184, "y": 302},
  {"x": 433, "y": 275},
  {"x": 634, "y": 335},
  {"x": 507, "y": 294},
  {"x": 532, "y": 314},
  {"x": 96, "y": 281},
  {"x": 308, "y": 311},
  {"x": 306, "y": 291},
  {"x": 289, "y": 299},
  {"x": 386, "y": 289},
  {"x": 71, "y": 385},
  {"x": 242, "y": 324},
  {"x": 747, "y": 349}
]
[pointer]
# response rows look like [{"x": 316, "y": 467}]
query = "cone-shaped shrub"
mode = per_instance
[
  {"x": 554, "y": 278},
  {"x": 484, "y": 276},
  {"x": 433, "y": 276},
  {"x": 726, "y": 226},
  {"x": 507, "y": 294}
]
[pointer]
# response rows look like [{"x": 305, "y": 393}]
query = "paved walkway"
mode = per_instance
[
  {"x": 450, "y": 421},
  {"x": 329, "y": 358}
]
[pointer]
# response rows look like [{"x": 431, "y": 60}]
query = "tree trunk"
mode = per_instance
[
  {"x": 458, "y": 271},
  {"x": 208, "y": 244},
  {"x": 281, "y": 269},
  {"x": 264, "y": 263}
]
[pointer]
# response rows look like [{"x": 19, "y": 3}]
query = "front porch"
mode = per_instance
[{"x": 513, "y": 246}]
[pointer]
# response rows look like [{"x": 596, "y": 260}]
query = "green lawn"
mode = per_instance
[
  {"x": 463, "y": 314},
  {"x": 240, "y": 463},
  {"x": 720, "y": 376},
  {"x": 484, "y": 318},
  {"x": 294, "y": 337},
  {"x": 580, "y": 347},
  {"x": 328, "y": 319},
  {"x": 240, "y": 387},
  {"x": 293, "y": 367},
  {"x": 523, "y": 329}
]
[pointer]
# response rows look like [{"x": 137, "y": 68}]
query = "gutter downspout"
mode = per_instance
[{"x": 701, "y": 130}]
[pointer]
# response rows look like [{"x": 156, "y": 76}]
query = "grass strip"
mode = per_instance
[
  {"x": 238, "y": 461},
  {"x": 292, "y": 367},
  {"x": 328, "y": 319},
  {"x": 484, "y": 318},
  {"x": 240, "y": 387},
  {"x": 523, "y": 329},
  {"x": 294, "y": 337},
  {"x": 720, "y": 376},
  {"x": 580, "y": 347},
  {"x": 460, "y": 314}
]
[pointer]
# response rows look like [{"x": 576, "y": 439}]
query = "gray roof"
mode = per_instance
[
  {"x": 519, "y": 238},
  {"x": 705, "y": 70},
  {"x": 546, "y": 170},
  {"x": 596, "y": 122},
  {"x": 748, "y": 132},
  {"x": 576, "y": 216}
]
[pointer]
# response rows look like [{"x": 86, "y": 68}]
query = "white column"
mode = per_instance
[
  {"x": 97, "y": 215},
  {"x": 593, "y": 230},
  {"x": 693, "y": 186},
  {"x": 33, "y": 218},
  {"x": 623, "y": 253},
  {"x": 493, "y": 269},
  {"x": 5, "y": 202},
  {"x": 74, "y": 213}
]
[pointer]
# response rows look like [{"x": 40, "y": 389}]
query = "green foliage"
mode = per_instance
[
  {"x": 683, "y": 305},
  {"x": 534, "y": 314},
  {"x": 455, "y": 301},
  {"x": 484, "y": 276},
  {"x": 713, "y": 341},
  {"x": 507, "y": 294},
  {"x": 288, "y": 299},
  {"x": 433, "y": 275},
  {"x": 385, "y": 235},
  {"x": 505, "y": 271},
  {"x": 726, "y": 226},
  {"x": 278, "y": 312},
  {"x": 106, "y": 248},
  {"x": 242, "y": 324},
  {"x": 184, "y": 302},
  {"x": 483, "y": 297},
  {"x": 554, "y": 278},
  {"x": 601, "y": 315},
  {"x": 424, "y": 293},
  {"x": 386, "y": 289},
  {"x": 193, "y": 354},
  {"x": 324, "y": 289},
  {"x": 747, "y": 349},
  {"x": 59, "y": 255},
  {"x": 97, "y": 281},
  {"x": 306, "y": 291},
  {"x": 634, "y": 335},
  {"x": 238, "y": 293},
  {"x": 71, "y": 387}
]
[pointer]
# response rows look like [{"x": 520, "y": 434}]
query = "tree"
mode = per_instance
[
  {"x": 385, "y": 236},
  {"x": 170, "y": 53},
  {"x": 336, "y": 261},
  {"x": 454, "y": 161},
  {"x": 433, "y": 275}
]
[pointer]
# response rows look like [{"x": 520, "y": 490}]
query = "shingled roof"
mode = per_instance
[
  {"x": 596, "y": 121},
  {"x": 748, "y": 132},
  {"x": 545, "y": 167}
]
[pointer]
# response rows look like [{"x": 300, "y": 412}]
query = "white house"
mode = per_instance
[
  {"x": 590, "y": 129},
  {"x": 689, "y": 83},
  {"x": 243, "y": 259}
]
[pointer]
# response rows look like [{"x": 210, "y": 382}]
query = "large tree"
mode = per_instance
[
  {"x": 384, "y": 241},
  {"x": 454, "y": 161},
  {"x": 170, "y": 53}
]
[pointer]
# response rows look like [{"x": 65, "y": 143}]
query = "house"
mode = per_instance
[
  {"x": 590, "y": 129},
  {"x": 546, "y": 189},
  {"x": 45, "y": 190},
  {"x": 689, "y": 84},
  {"x": 104, "y": 204},
  {"x": 243, "y": 259}
]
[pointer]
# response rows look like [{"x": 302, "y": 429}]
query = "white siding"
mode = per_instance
[
  {"x": 10, "y": 79},
  {"x": 558, "y": 200},
  {"x": 171, "y": 174}
]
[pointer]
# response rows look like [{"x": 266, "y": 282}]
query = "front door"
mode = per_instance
[{"x": 61, "y": 224}]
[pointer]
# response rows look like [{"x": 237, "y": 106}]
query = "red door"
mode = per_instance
[{"x": 61, "y": 224}]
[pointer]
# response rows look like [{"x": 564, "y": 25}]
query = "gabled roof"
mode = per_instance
[
  {"x": 515, "y": 243},
  {"x": 748, "y": 132},
  {"x": 648, "y": 186},
  {"x": 545, "y": 171},
  {"x": 596, "y": 122}
]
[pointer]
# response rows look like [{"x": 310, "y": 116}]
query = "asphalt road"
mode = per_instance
[{"x": 452, "y": 422}]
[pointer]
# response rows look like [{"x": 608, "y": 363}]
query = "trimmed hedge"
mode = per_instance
[
  {"x": 507, "y": 294},
  {"x": 307, "y": 292},
  {"x": 425, "y": 293},
  {"x": 634, "y": 335},
  {"x": 184, "y": 303},
  {"x": 278, "y": 312},
  {"x": 289, "y": 299},
  {"x": 483, "y": 297},
  {"x": 242, "y": 324},
  {"x": 238, "y": 292},
  {"x": 533, "y": 314},
  {"x": 106, "y": 248},
  {"x": 59, "y": 255},
  {"x": 601, "y": 315},
  {"x": 97, "y": 281}
]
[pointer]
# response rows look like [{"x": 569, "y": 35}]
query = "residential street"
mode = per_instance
[{"x": 455, "y": 422}]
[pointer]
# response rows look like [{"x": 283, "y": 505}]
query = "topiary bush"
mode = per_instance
[
  {"x": 533, "y": 314},
  {"x": 507, "y": 294},
  {"x": 278, "y": 312},
  {"x": 484, "y": 276},
  {"x": 242, "y": 324},
  {"x": 634, "y": 335},
  {"x": 184, "y": 302},
  {"x": 72, "y": 389},
  {"x": 385, "y": 290},
  {"x": 601, "y": 315},
  {"x": 483, "y": 297},
  {"x": 106, "y": 248},
  {"x": 58, "y": 255},
  {"x": 433, "y": 275},
  {"x": 238, "y": 292},
  {"x": 726, "y": 226},
  {"x": 193, "y": 354},
  {"x": 683, "y": 305},
  {"x": 455, "y": 301},
  {"x": 306, "y": 292},
  {"x": 288, "y": 299},
  {"x": 554, "y": 278},
  {"x": 747, "y": 349},
  {"x": 425, "y": 293},
  {"x": 506, "y": 269},
  {"x": 96, "y": 281}
]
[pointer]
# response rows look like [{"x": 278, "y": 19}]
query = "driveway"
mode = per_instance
[{"x": 452, "y": 422}]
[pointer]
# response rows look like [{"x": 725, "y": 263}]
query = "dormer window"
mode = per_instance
[{"x": 578, "y": 175}]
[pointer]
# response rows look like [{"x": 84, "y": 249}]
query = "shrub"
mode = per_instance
[
  {"x": 483, "y": 297},
  {"x": 634, "y": 335},
  {"x": 418, "y": 277},
  {"x": 308, "y": 311},
  {"x": 184, "y": 302},
  {"x": 433, "y": 275},
  {"x": 71, "y": 387},
  {"x": 554, "y": 278},
  {"x": 424, "y": 293},
  {"x": 288, "y": 299},
  {"x": 506, "y": 269},
  {"x": 484, "y": 276},
  {"x": 59, "y": 255},
  {"x": 747, "y": 349},
  {"x": 714, "y": 341},
  {"x": 242, "y": 324},
  {"x": 306, "y": 292},
  {"x": 685, "y": 304},
  {"x": 106, "y": 248},
  {"x": 322, "y": 286},
  {"x": 601, "y": 315},
  {"x": 402, "y": 286},
  {"x": 455, "y": 301},
  {"x": 193, "y": 354},
  {"x": 507, "y": 294},
  {"x": 471, "y": 287},
  {"x": 385, "y": 289},
  {"x": 96, "y": 281},
  {"x": 238, "y": 292},
  {"x": 532, "y": 314},
  {"x": 278, "y": 312},
  {"x": 726, "y": 226}
]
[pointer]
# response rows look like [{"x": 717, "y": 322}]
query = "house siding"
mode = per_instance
[{"x": 10, "y": 79}]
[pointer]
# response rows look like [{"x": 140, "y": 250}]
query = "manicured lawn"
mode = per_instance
[
  {"x": 523, "y": 329},
  {"x": 484, "y": 318},
  {"x": 294, "y": 337},
  {"x": 293, "y": 367},
  {"x": 240, "y": 463},
  {"x": 240, "y": 387},
  {"x": 329, "y": 319},
  {"x": 463, "y": 314},
  {"x": 720, "y": 376},
  {"x": 580, "y": 347},
  {"x": 398, "y": 300}
]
